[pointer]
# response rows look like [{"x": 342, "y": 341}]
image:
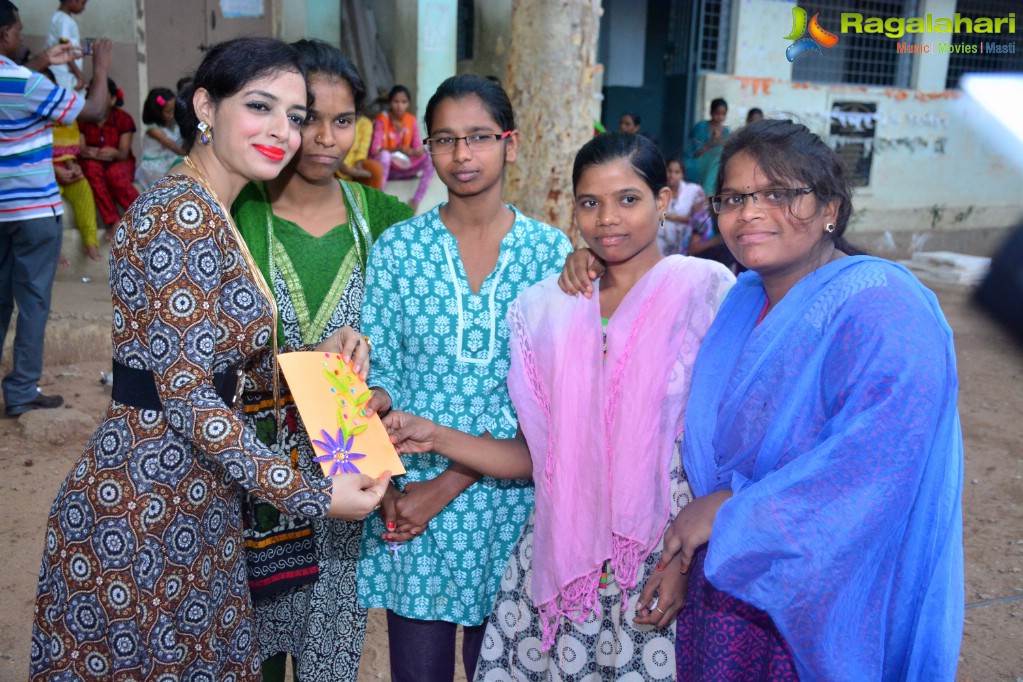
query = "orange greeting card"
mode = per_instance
[{"x": 330, "y": 398}]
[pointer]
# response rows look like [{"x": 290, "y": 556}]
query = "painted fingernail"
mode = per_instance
[
  {"x": 391, "y": 525},
  {"x": 659, "y": 567}
]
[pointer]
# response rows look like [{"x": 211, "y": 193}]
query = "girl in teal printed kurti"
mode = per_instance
[{"x": 437, "y": 291}]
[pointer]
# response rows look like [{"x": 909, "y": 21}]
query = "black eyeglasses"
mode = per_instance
[
  {"x": 446, "y": 144},
  {"x": 773, "y": 197}
]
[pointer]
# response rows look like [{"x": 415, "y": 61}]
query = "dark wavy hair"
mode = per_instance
[
  {"x": 495, "y": 99},
  {"x": 319, "y": 58},
  {"x": 639, "y": 151},
  {"x": 113, "y": 90},
  {"x": 227, "y": 68},
  {"x": 789, "y": 154},
  {"x": 152, "y": 110}
]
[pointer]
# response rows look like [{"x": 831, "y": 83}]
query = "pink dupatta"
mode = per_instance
[{"x": 601, "y": 432}]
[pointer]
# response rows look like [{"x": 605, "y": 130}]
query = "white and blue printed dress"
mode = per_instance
[{"x": 441, "y": 352}]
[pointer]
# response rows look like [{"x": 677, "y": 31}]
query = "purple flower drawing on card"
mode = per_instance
[{"x": 339, "y": 451}]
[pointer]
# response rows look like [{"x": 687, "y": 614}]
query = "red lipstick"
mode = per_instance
[{"x": 272, "y": 153}]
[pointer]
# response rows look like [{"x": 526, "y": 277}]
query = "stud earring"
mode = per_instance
[
  {"x": 829, "y": 228},
  {"x": 663, "y": 217},
  {"x": 205, "y": 133}
]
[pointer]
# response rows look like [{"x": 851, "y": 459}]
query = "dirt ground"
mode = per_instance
[{"x": 991, "y": 406}]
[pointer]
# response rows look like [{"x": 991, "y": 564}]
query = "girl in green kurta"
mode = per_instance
[{"x": 310, "y": 235}]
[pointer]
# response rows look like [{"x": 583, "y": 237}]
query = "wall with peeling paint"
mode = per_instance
[{"x": 934, "y": 180}]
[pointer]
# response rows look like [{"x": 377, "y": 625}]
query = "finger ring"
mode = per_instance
[
  {"x": 369, "y": 346},
  {"x": 658, "y": 610},
  {"x": 380, "y": 495},
  {"x": 376, "y": 507}
]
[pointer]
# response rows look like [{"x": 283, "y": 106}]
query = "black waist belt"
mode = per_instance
[{"x": 137, "y": 387}]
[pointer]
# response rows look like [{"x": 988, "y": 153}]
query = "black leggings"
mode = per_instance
[{"x": 424, "y": 650}]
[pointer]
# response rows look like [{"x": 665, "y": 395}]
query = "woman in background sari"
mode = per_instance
[{"x": 703, "y": 155}]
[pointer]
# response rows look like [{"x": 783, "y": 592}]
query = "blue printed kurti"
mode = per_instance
[{"x": 441, "y": 352}]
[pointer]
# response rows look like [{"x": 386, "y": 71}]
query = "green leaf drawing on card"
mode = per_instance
[
  {"x": 364, "y": 398},
  {"x": 359, "y": 429},
  {"x": 335, "y": 381}
]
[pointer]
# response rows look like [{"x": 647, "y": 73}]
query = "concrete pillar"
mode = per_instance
[
  {"x": 930, "y": 70},
  {"x": 436, "y": 23}
]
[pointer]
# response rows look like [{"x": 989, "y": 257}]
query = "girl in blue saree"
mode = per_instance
[{"x": 822, "y": 443}]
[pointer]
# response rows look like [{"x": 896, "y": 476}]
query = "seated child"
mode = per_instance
[
  {"x": 107, "y": 161},
  {"x": 161, "y": 143}
]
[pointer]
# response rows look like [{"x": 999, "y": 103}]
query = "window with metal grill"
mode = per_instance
[
  {"x": 857, "y": 58},
  {"x": 989, "y": 60},
  {"x": 697, "y": 37},
  {"x": 713, "y": 40}
]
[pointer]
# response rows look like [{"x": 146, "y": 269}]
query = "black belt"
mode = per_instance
[{"x": 137, "y": 387}]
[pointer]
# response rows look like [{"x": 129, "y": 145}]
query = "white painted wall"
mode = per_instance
[
  {"x": 114, "y": 19},
  {"x": 758, "y": 48}
]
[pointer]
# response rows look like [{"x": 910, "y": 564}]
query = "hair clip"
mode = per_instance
[{"x": 160, "y": 100}]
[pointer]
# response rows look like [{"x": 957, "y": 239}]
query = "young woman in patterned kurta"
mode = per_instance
[
  {"x": 320, "y": 229},
  {"x": 437, "y": 290},
  {"x": 143, "y": 574}
]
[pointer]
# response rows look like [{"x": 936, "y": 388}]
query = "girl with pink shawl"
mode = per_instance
[{"x": 600, "y": 386}]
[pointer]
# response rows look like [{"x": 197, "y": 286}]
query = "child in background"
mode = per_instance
[
  {"x": 357, "y": 165},
  {"x": 687, "y": 198},
  {"x": 107, "y": 161},
  {"x": 397, "y": 144},
  {"x": 64, "y": 28},
  {"x": 161, "y": 144},
  {"x": 72, "y": 183}
]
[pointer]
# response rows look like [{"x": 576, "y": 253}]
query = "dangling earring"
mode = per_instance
[
  {"x": 205, "y": 133},
  {"x": 663, "y": 216},
  {"x": 829, "y": 228}
]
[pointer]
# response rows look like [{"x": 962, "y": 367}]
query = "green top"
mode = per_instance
[{"x": 320, "y": 266}]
